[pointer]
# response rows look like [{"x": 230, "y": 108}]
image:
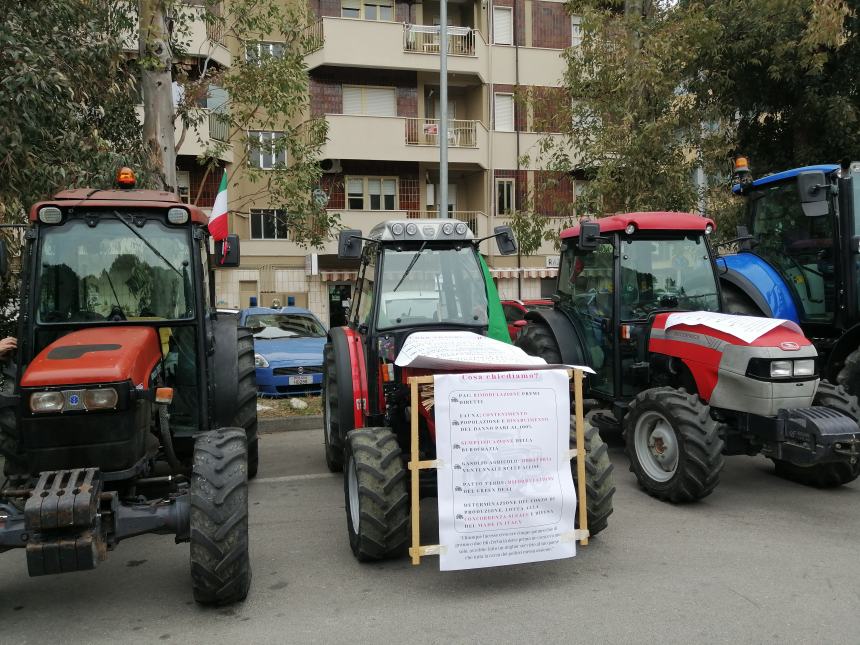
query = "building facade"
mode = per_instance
[{"x": 374, "y": 78}]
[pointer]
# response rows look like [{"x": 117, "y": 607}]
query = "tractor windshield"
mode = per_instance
[
  {"x": 666, "y": 274},
  {"x": 426, "y": 286},
  {"x": 115, "y": 270},
  {"x": 799, "y": 247}
]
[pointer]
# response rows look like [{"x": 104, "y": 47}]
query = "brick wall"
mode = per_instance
[
  {"x": 553, "y": 193},
  {"x": 326, "y": 89},
  {"x": 519, "y": 18},
  {"x": 520, "y": 112},
  {"x": 550, "y": 25},
  {"x": 520, "y": 186},
  {"x": 200, "y": 179},
  {"x": 550, "y": 109},
  {"x": 327, "y": 8}
]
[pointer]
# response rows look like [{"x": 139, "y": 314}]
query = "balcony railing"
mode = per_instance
[
  {"x": 471, "y": 218},
  {"x": 425, "y": 39},
  {"x": 314, "y": 36},
  {"x": 425, "y": 132},
  {"x": 219, "y": 127},
  {"x": 215, "y": 31}
]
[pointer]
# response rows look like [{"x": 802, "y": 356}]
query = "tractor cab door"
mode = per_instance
[
  {"x": 361, "y": 320},
  {"x": 588, "y": 294},
  {"x": 801, "y": 248}
]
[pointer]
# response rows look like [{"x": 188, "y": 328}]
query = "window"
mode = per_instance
[
  {"x": 504, "y": 112},
  {"x": 371, "y": 101},
  {"x": 371, "y": 193},
  {"x": 576, "y": 31},
  {"x": 368, "y": 9},
  {"x": 503, "y": 20},
  {"x": 266, "y": 149},
  {"x": 269, "y": 224},
  {"x": 505, "y": 196},
  {"x": 183, "y": 186},
  {"x": 257, "y": 51}
]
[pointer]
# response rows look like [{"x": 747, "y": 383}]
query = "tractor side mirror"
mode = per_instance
[
  {"x": 745, "y": 241},
  {"x": 227, "y": 252},
  {"x": 812, "y": 187},
  {"x": 4, "y": 258},
  {"x": 349, "y": 244},
  {"x": 506, "y": 240},
  {"x": 589, "y": 234}
]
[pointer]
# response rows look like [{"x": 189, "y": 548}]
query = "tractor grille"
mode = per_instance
[{"x": 293, "y": 371}]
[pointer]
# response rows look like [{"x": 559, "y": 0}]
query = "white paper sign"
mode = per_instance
[
  {"x": 505, "y": 487},
  {"x": 747, "y": 328},
  {"x": 452, "y": 350}
]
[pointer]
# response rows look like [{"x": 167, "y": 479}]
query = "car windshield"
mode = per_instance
[
  {"x": 666, "y": 274},
  {"x": 114, "y": 270},
  {"x": 276, "y": 325},
  {"x": 429, "y": 286}
]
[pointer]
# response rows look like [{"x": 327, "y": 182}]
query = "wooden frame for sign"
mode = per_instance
[{"x": 416, "y": 551}]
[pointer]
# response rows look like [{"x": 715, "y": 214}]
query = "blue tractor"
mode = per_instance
[{"x": 798, "y": 258}]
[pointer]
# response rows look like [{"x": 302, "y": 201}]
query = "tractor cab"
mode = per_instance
[
  {"x": 798, "y": 253},
  {"x": 619, "y": 272}
]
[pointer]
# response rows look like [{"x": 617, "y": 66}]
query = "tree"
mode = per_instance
[{"x": 264, "y": 89}]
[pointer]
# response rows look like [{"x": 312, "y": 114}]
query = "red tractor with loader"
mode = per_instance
[
  {"x": 415, "y": 275},
  {"x": 133, "y": 409},
  {"x": 688, "y": 390}
]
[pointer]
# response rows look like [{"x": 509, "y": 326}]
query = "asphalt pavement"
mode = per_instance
[{"x": 761, "y": 560}]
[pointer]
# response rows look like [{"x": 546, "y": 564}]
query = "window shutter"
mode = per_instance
[
  {"x": 351, "y": 99},
  {"x": 504, "y": 112},
  {"x": 502, "y": 26},
  {"x": 380, "y": 101}
]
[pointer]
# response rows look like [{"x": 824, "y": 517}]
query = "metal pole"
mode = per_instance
[{"x": 443, "y": 100}]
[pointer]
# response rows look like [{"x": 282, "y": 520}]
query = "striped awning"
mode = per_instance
[
  {"x": 338, "y": 276},
  {"x": 526, "y": 272}
]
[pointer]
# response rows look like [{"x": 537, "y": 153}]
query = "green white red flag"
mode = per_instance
[{"x": 218, "y": 219}]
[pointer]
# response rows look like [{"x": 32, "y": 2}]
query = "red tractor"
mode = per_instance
[
  {"x": 414, "y": 275},
  {"x": 134, "y": 406},
  {"x": 685, "y": 395}
]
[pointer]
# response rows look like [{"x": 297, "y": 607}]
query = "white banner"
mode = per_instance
[
  {"x": 505, "y": 487},
  {"x": 747, "y": 328}
]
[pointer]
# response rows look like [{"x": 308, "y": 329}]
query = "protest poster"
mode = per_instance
[{"x": 505, "y": 489}]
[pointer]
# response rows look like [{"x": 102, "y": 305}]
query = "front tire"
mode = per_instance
[
  {"x": 377, "y": 500},
  {"x": 331, "y": 413},
  {"x": 537, "y": 339},
  {"x": 833, "y": 474},
  {"x": 849, "y": 375},
  {"x": 599, "y": 481},
  {"x": 246, "y": 391},
  {"x": 220, "y": 563},
  {"x": 673, "y": 444}
]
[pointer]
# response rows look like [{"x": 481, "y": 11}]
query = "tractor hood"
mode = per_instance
[{"x": 96, "y": 355}]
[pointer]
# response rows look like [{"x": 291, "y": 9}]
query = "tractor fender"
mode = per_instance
[
  {"x": 847, "y": 343},
  {"x": 760, "y": 282},
  {"x": 568, "y": 337},
  {"x": 224, "y": 362},
  {"x": 352, "y": 371}
]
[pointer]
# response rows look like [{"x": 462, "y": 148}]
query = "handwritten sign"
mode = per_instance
[
  {"x": 505, "y": 488},
  {"x": 747, "y": 328}
]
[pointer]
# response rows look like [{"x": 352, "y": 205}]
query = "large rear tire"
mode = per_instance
[
  {"x": 331, "y": 413},
  {"x": 246, "y": 411},
  {"x": 599, "y": 481},
  {"x": 377, "y": 500},
  {"x": 674, "y": 445},
  {"x": 833, "y": 474},
  {"x": 220, "y": 563},
  {"x": 537, "y": 339}
]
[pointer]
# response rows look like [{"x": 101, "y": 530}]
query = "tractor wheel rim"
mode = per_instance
[
  {"x": 352, "y": 479},
  {"x": 656, "y": 446}
]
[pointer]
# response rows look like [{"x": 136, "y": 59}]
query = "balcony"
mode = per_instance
[
  {"x": 204, "y": 39},
  {"x": 402, "y": 139},
  {"x": 425, "y": 132},
  {"x": 348, "y": 42}
]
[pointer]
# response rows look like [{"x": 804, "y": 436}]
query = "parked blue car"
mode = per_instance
[{"x": 288, "y": 350}]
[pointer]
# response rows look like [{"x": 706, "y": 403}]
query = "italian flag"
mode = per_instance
[{"x": 218, "y": 218}]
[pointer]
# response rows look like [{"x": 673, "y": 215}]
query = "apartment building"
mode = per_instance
[{"x": 374, "y": 78}]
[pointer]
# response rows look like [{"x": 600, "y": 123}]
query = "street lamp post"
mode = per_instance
[{"x": 443, "y": 116}]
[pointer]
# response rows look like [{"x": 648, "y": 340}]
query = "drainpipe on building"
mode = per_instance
[
  {"x": 517, "y": 174},
  {"x": 443, "y": 100}
]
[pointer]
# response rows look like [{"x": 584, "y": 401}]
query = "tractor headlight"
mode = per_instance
[
  {"x": 102, "y": 399},
  {"x": 260, "y": 361},
  {"x": 780, "y": 369},
  {"x": 804, "y": 368},
  {"x": 47, "y": 402}
]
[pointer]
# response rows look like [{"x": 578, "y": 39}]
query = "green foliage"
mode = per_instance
[{"x": 268, "y": 93}]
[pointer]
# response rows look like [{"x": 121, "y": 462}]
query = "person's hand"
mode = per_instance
[{"x": 7, "y": 345}]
